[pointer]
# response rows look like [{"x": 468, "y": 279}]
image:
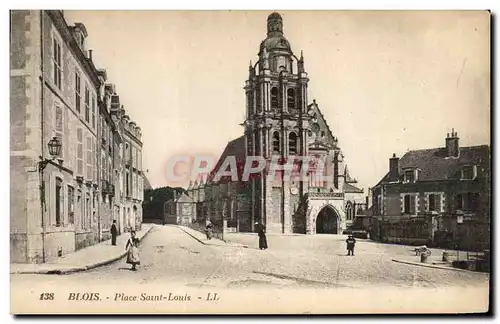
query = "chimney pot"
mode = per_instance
[
  {"x": 90, "y": 54},
  {"x": 394, "y": 168},
  {"x": 452, "y": 145}
]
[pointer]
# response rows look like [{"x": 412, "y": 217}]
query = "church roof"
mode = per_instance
[
  {"x": 347, "y": 176},
  {"x": 349, "y": 188},
  {"x": 234, "y": 148},
  {"x": 147, "y": 184},
  {"x": 319, "y": 115},
  {"x": 183, "y": 198}
]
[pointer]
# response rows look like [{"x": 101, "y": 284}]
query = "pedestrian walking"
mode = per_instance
[
  {"x": 133, "y": 251},
  {"x": 209, "y": 230},
  {"x": 262, "y": 236},
  {"x": 350, "y": 245},
  {"x": 114, "y": 232}
]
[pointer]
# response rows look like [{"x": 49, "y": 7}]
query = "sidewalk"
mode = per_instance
[
  {"x": 432, "y": 262},
  {"x": 87, "y": 258},
  {"x": 202, "y": 238}
]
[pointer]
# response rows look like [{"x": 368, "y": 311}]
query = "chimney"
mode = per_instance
[
  {"x": 394, "y": 168},
  {"x": 90, "y": 54},
  {"x": 175, "y": 194},
  {"x": 452, "y": 145}
]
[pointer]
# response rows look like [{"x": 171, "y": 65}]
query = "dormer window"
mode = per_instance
[
  {"x": 469, "y": 172},
  {"x": 410, "y": 175}
]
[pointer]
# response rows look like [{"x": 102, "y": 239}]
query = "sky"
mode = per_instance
[{"x": 386, "y": 81}]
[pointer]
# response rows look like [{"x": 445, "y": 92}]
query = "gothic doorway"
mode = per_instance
[{"x": 327, "y": 221}]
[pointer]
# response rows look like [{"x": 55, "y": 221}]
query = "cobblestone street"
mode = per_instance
[{"x": 169, "y": 255}]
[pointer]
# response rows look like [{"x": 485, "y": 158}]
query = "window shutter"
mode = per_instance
[
  {"x": 413, "y": 200},
  {"x": 59, "y": 127},
  {"x": 94, "y": 155},
  {"x": 79, "y": 153},
  {"x": 401, "y": 203},
  {"x": 89, "y": 158},
  {"x": 438, "y": 203}
]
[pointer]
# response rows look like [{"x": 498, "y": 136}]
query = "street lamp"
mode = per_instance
[{"x": 54, "y": 151}]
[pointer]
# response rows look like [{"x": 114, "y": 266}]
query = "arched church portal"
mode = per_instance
[{"x": 327, "y": 221}]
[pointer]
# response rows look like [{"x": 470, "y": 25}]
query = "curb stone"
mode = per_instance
[
  {"x": 80, "y": 268},
  {"x": 202, "y": 242},
  {"x": 430, "y": 265}
]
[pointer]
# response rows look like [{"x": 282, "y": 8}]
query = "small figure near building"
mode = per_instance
[
  {"x": 209, "y": 230},
  {"x": 114, "y": 233},
  {"x": 262, "y": 236},
  {"x": 133, "y": 251},
  {"x": 351, "y": 241}
]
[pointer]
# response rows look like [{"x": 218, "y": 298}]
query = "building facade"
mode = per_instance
[
  {"x": 281, "y": 124},
  {"x": 56, "y": 92},
  {"x": 439, "y": 196}
]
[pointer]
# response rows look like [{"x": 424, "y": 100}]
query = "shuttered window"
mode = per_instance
[
  {"x": 89, "y": 158},
  {"x": 410, "y": 202},
  {"x": 79, "y": 152},
  {"x": 87, "y": 104},
  {"x": 93, "y": 111},
  {"x": 78, "y": 94},
  {"x": 434, "y": 202},
  {"x": 57, "y": 63},
  {"x": 59, "y": 127}
]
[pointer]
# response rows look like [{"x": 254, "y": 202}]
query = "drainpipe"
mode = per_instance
[{"x": 42, "y": 99}]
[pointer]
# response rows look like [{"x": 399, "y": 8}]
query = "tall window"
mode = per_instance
[
  {"x": 59, "y": 125},
  {"x": 89, "y": 158},
  {"x": 95, "y": 157},
  {"x": 87, "y": 104},
  {"x": 471, "y": 201},
  {"x": 409, "y": 204},
  {"x": 93, "y": 111},
  {"x": 258, "y": 100},
  {"x": 274, "y": 98},
  {"x": 276, "y": 142},
  {"x": 127, "y": 184},
  {"x": 57, "y": 62},
  {"x": 59, "y": 201},
  {"x": 293, "y": 143},
  {"x": 291, "y": 99},
  {"x": 79, "y": 152},
  {"x": 71, "y": 205},
  {"x": 459, "y": 202},
  {"x": 88, "y": 211},
  {"x": 432, "y": 202},
  {"x": 78, "y": 92},
  {"x": 349, "y": 211}
]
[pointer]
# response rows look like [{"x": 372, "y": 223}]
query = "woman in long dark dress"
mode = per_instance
[
  {"x": 262, "y": 236},
  {"x": 133, "y": 250}
]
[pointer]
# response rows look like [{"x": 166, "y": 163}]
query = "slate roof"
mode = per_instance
[
  {"x": 349, "y": 188},
  {"x": 183, "y": 198},
  {"x": 147, "y": 184},
  {"x": 234, "y": 148},
  {"x": 434, "y": 164}
]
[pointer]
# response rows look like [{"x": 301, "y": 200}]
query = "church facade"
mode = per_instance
[{"x": 281, "y": 125}]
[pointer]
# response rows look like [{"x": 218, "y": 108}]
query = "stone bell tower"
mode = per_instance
[{"x": 276, "y": 125}]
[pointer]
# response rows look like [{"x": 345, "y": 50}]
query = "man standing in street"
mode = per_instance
[
  {"x": 114, "y": 233},
  {"x": 350, "y": 245}
]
